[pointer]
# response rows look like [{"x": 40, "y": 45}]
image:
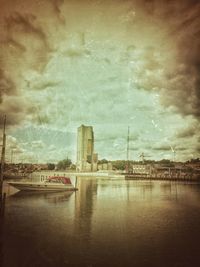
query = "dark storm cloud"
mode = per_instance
[
  {"x": 24, "y": 34},
  {"x": 25, "y": 23},
  {"x": 7, "y": 86},
  {"x": 24, "y": 45},
  {"x": 167, "y": 8},
  {"x": 188, "y": 132},
  {"x": 57, "y": 4},
  {"x": 13, "y": 43},
  {"x": 189, "y": 55},
  {"x": 14, "y": 108},
  {"x": 182, "y": 22}
]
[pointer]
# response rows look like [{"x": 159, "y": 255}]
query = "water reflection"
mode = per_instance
[
  {"x": 51, "y": 197},
  {"x": 105, "y": 223},
  {"x": 85, "y": 204}
]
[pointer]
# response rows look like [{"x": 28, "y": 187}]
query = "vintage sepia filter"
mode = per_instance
[{"x": 99, "y": 133}]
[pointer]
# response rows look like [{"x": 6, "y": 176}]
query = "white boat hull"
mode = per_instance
[{"x": 43, "y": 187}]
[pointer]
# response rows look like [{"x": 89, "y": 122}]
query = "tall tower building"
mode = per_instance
[{"x": 85, "y": 149}]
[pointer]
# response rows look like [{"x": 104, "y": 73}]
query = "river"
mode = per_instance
[{"x": 107, "y": 222}]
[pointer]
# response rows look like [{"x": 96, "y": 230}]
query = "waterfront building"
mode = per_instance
[
  {"x": 86, "y": 159},
  {"x": 142, "y": 169},
  {"x": 105, "y": 166}
]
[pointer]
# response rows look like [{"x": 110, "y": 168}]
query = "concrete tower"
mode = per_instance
[{"x": 85, "y": 149}]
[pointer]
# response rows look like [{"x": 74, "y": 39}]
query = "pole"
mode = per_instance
[
  {"x": 2, "y": 202},
  {"x": 127, "y": 152},
  {"x": 76, "y": 183},
  {"x": 11, "y": 154}
]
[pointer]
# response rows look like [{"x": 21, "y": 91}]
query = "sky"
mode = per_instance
[{"x": 109, "y": 64}]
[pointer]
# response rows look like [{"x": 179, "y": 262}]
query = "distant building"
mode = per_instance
[
  {"x": 105, "y": 166},
  {"x": 142, "y": 169},
  {"x": 86, "y": 159}
]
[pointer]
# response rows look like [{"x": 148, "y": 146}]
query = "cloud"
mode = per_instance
[
  {"x": 162, "y": 148},
  {"x": 25, "y": 38},
  {"x": 198, "y": 148},
  {"x": 11, "y": 142},
  {"x": 52, "y": 148},
  {"x": 167, "y": 63},
  {"x": 57, "y": 4},
  {"x": 75, "y": 53},
  {"x": 105, "y": 138},
  {"x": 13, "y": 149},
  {"x": 37, "y": 144},
  {"x": 15, "y": 109},
  {"x": 24, "y": 23},
  {"x": 23, "y": 42},
  {"x": 188, "y": 132},
  {"x": 42, "y": 85},
  {"x": 18, "y": 150},
  {"x": 23, "y": 46},
  {"x": 175, "y": 148},
  {"x": 7, "y": 86},
  {"x": 58, "y": 70},
  {"x": 13, "y": 44},
  {"x": 180, "y": 83}
]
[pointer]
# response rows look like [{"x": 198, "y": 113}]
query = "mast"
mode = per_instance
[
  {"x": 127, "y": 152},
  {"x": 2, "y": 161}
]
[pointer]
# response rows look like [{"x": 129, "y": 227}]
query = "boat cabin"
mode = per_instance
[{"x": 59, "y": 179}]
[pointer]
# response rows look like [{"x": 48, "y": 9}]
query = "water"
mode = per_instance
[{"x": 106, "y": 223}]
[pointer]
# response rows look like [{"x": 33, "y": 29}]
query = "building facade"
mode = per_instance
[{"x": 86, "y": 159}]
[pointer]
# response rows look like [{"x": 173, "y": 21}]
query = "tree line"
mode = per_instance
[
  {"x": 62, "y": 165},
  {"x": 117, "y": 164}
]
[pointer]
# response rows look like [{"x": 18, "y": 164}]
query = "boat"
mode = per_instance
[{"x": 51, "y": 184}]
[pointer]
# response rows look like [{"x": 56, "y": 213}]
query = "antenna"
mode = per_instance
[{"x": 127, "y": 152}]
